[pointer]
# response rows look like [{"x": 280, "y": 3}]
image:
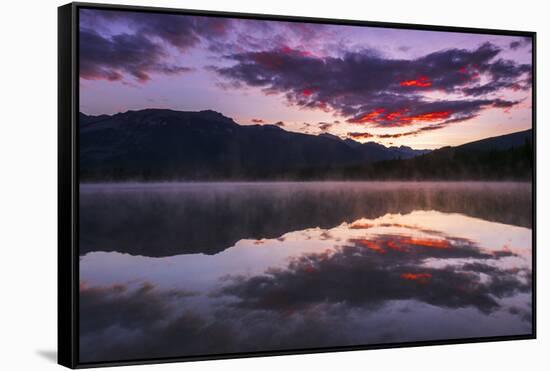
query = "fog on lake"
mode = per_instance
[{"x": 176, "y": 269}]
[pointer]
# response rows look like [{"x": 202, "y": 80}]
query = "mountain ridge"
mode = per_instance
[
  {"x": 87, "y": 119},
  {"x": 164, "y": 144}
]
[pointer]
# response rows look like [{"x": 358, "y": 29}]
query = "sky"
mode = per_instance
[{"x": 423, "y": 89}]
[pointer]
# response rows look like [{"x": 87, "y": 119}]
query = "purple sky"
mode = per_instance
[{"x": 424, "y": 89}]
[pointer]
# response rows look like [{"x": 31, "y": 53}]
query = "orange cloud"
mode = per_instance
[
  {"x": 418, "y": 277},
  {"x": 400, "y": 117},
  {"x": 370, "y": 116},
  {"x": 361, "y": 226},
  {"x": 426, "y": 242},
  {"x": 396, "y": 247},
  {"x": 421, "y": 82},
  {"x": 374, "y": 246}
]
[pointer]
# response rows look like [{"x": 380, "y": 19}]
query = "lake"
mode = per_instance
[{"x": 185, "y": 269}]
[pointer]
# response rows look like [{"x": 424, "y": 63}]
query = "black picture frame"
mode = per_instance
[{"x": 68, "y": 181}]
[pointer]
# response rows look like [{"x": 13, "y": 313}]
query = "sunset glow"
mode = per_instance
[
  {"x": 419, "y": 277},
  {"x": 422, "y": 82},
  {"x": 423, "y": 89}
]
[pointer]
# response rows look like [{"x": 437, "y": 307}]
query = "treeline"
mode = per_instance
[
  {"x": 450, "y": 163},
  {"x": 455, "y": 164}
]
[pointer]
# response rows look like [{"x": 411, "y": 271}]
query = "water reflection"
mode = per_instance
[
  {"x": 182, "y": 218},
  {"x": 420, "y": 274},
  {"x": 369, "y": 272}
]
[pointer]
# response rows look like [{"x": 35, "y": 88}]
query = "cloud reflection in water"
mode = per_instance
[{"x": 424, "y": 275}]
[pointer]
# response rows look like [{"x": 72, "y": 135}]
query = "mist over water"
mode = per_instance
[{"x": 174, "y": 269}]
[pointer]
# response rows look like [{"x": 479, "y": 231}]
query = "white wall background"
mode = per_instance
[{"x": 28, "y": 155}]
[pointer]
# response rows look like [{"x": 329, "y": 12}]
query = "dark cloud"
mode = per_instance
[
  {"x": 279, "y": 123},
  {"x": 520, "y": 43},
  {"x": 143, "y": 47},
  {"x": 368, "y": 88},
  {"x": 323, "y": 299},
  {"x": 258, "y": 121},
  {"x": 324, "y": 126},
  {"x": 103, "y": 305},
  {"x": 121, "y": 323},
  {"x": 118, "y": 322},
  {"x": 360, "y": 135},
  {"x": 372, "y": 272},
  {"x": 182, "y": 32},
  {"x": 159, "y": 32},
  {"x": 254, "y": 35},
  {"x": 111, "y": 58}
]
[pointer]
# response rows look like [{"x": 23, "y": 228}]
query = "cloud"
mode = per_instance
[
  {"x": 421, "y": 82},
  {"x": 280, "y": 124},
  {"x": 324, "y": 299},
  {"x": 148, "y": 323},
  {"x": 119, "y": 322},
  {"x": 520, "y": 43},
  {"x": 258, "y": 121},
  {"x": 143, "y": 45},
  {"x": 367, "y": 88},
  {"x": 459, "y": 118},
  {"x": 396, "y": 265},
  {"x": 324, "y": 126},
  {"x": 423, "y": 129},
  {"x": 360, "y": 135},
  {"x": 442, "y": 112},
  {"x": 129, "y": 308},
  {"x": 111, "y": 58},
  {"x": 180, "y": 31},
  {"x": 255, "y": 35},
  {"x": 116, "y": 43}
]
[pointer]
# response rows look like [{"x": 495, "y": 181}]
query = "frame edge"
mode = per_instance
[{"x": 67, "y": 348}]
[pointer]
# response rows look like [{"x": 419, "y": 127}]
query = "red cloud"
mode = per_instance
[
  {"x": 395, "y": 246},
  {"x": 382, "y": 100},
  {"x": 368, "y": 117},
  {"x": 419, "y": 277},
  {"x": 421, "y": 82},
  {"x": 425, "y": 242},
  {"x": 424, "y": 117},
  {"x": 399, "y": 117},
  {"x": 373, "y": 245}
]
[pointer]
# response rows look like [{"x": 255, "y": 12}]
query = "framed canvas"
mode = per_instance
[{"x": 236, "y": 185}]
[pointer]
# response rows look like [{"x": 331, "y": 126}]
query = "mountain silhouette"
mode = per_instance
[
  {"x": 505, "y": 157},
  {"x": 160, "y": 144}
]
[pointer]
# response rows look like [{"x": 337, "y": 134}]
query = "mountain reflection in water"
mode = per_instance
[
  {"x": 178, "y": 218},
  {"x": 350, "y": 264}
]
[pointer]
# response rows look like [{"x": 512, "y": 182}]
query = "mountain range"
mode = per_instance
[
  {"x": 505, "y": 157},
  {"x": 161, "y": 144}
]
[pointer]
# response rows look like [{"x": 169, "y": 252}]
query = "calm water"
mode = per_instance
[{"x": 207, "y": 268}]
